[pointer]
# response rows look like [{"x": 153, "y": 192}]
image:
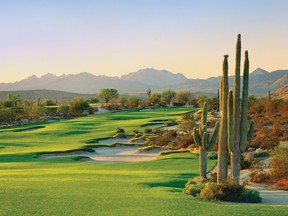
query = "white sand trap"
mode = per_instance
[
  {"x": 124, "y": 153},
  {"x": 172, "y": 127},
  {"x": 101, "y": 110},
  {"x": 114, "y": 140}
]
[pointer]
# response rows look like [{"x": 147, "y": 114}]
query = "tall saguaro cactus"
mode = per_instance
[
  {"x": 203, "y": 140},
  {"x": 238, "y": 133},
  {"x": 222, "y": 168}
]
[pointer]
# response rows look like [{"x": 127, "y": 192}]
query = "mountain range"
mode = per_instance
[{"x": 138, "y": 82}]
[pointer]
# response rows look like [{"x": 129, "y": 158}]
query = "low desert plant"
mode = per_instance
[
  {"x": 210, "y": 191},
  {"x": 279, "y": 161},
  {"x": 259, "y": 176},
  {"x": 194, "y": 186},
  {"x": 282, "y": 183},
  {"x": 260, "y": 153},
  {"x": 251, "y": 196},
  {"x": 213, "y": 155}
]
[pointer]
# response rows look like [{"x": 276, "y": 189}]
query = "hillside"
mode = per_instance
[
  {"x": 43, "y": 94},
  {"x": 138, "y": 82},
  {"x": 280, "y": 93}
]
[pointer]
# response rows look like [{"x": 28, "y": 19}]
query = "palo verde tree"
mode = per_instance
[
  {"x": 205, "y": 142},
  {"x": 168, "y": 96},
  {"x": 107, "y": 94},
  {"x": 183, "y": 96}
]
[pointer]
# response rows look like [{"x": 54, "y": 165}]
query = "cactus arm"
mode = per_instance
[
  {"x": 244, "y": 112},
  {"x": 230, "y": 122},
  {"x": 196, "y": 137},
  {"x": 236, "y": 99},
  {"x": 204, "y": 140},
  {"x": 203, "y": 130},
  {"x": 213, "y": 139},
  {"x": 221, "y": 95},
  {"x": 251, "y": 130}
]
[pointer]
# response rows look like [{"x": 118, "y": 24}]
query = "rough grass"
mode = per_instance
[{"x": 63, "y": 186}]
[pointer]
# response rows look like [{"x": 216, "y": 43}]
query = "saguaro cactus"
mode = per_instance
[
  {"x": 238, "y": 133},
  {"x": 204, "y": 141},
  {"x": 222, "y": 168}
]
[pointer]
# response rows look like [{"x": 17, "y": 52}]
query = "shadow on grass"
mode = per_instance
[
  {"x": 175, "y": 183},
  {"x": 28, "y": 129}
]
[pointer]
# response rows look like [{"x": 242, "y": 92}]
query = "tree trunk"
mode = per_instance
[
  {"x": 203, "y": 162},
  {"x": 235, "y": 166}
]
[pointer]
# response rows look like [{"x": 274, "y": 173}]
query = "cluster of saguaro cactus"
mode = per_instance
[
  {"x": 205, "y": 142},
  {"x": 234, "y": 129}
]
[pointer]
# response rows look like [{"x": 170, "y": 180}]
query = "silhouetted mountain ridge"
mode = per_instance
[{"x": 138, "y": 82}]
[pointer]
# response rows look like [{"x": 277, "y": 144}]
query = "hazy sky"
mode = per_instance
[{"x": 115, "y": 37}]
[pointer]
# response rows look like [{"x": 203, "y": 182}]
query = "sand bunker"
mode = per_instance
[{"x": 123, "y": 153}]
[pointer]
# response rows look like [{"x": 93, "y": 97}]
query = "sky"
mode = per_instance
[{"x": 116, "y": 37}]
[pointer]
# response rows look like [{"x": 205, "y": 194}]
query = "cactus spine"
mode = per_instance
[
  {"x": 204, "y": 141},
  {"x": 222, "y": 168},
  {"x": 237, "y": 118}
]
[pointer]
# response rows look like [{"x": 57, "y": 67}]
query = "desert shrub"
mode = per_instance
[
  {"x": 265, "y": 141},
  {"x": 213, "y": 155},
  {"x": 78, "y": 106},
  {"x": 63, "y": 109},
  {"x": 49, "y": 103},
  {"x": 259, "y": 176},
  {"x": 245, "y": 163},
  {"x": 183, "y": 141},
  {"x": 6, "y": 116},
  {"x": 279, "y": 161},
  {"x": 260, "y": 153},
  {"x": 229, "y": 190},
  {"x": 194, "y": 185},
  {"x": 210, "y": 191},
  {"x": 251, "y": 196},
  {"x": 282, "y": 183},
  {"x": 120, "y": 132},
  {"x": 213, "y": 177},
  {"x": 148, "y": 130}
]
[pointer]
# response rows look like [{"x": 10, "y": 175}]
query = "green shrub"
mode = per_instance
[
  {"x": 230, "y": 191},
  {"x": 194, "y": 186},
  {"x": 260, "y": 153},
  {"x": 213, "y": 155},
  {"x": 251, "y": 196},
  {"x": 148, "y": 130}
]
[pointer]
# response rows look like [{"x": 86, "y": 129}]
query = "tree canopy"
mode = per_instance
[{"x": 108, "y": 94}]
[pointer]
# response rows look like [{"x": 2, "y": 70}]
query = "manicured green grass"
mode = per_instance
[{"x": 63, "y": 186}]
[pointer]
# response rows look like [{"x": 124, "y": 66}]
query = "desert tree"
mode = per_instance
[{"x": 108, "y": 93}]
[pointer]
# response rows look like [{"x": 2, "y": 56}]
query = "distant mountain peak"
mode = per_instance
[
  {"x": 154, "y": 77},
  {"x": 32, "y": 77},
  {"x": 48, "y": 75},
  {"x": 259, "y": 71}
]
